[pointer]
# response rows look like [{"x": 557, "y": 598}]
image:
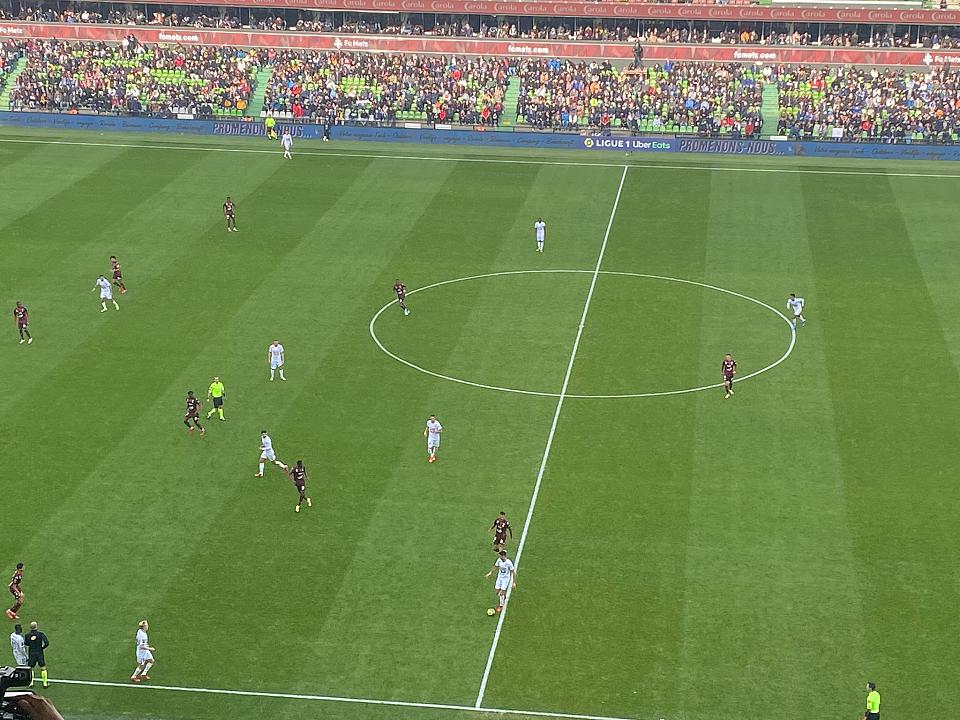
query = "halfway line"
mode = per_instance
[
  {"x": 334, "y": 698},
  {"x": 553, "y": 432}
]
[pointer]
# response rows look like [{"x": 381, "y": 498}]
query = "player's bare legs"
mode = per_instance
[
  {"x": 25, "y": 336},
  {"x": 17, "y": 604}
]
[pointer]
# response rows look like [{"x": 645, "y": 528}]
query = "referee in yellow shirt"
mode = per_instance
[
  {"x": 873, "y": 702},
  {"x": 215, "y": 393}
]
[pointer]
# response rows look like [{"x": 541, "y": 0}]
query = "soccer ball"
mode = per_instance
[{"x": 491, "y": 612}]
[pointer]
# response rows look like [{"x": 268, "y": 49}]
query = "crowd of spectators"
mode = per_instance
[
  {"x": 704, "y": 98},
  {"x": 9, "y": 55},
  {"x": 869, "y": 105},
  {"x": 387, "y": 88},
  {"x": 134, "y": 78}
]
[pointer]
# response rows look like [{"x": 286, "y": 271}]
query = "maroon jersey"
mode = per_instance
[
  {"x": 20, "y": 313},
  {"x": 299, "y": 476},
  {"x": 401, "y": 290},
  {"x": 727, "y": 367},
  {"x": 193, "y": 405},
  {"x": 228, "y": 208},
  {"x": 14, "y": 585},
  {"x": 117, "y": 274},
  {"x": 500, "y": 527}
]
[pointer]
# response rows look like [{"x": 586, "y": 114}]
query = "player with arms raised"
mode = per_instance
[
  {"x": 275, "y": 356},
  {"x": 267, "y": 453},
  {"x": 506, "y": 578},
  {"x": 795, "y": 305},
  {"x": 106, "y": 293},
  {"x": 117, "y": 274},
  {"x": 14, "y": 588},
  {"x": 501, "y": 526},
  {"x": 401, "y": 290},
  {"x": 432, "y": 433},
  {"x": 193, "y": 414},
  {"x": 229, "y": 212},
  {"x": 728, "y": 368},
  {"x": 22, "y": 318},
  {"x": 298, "y": 475},
  {"x": 145, "y": 659}
]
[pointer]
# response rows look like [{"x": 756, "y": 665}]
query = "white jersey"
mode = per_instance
[
  {"x": 19, "y": 648},
  {"x": 106, "y": 291},
  {"x": 434, "y": 429},
  {"x": 505, "y": 567},
  {"x": 266, "y": 444},
  {"x": 276, "y": 355},
  {"x": 795, "y": 304},
  {"x": 541, "y": 227},
  {"x": 143, "y": 643},
  {"x": 287, "y": 140}
]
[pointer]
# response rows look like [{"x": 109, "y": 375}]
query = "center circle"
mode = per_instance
[{"x": 521, "y": 391}]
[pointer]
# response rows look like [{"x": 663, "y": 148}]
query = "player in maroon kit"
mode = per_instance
[
  {"x": 298, "y": 475},
  {"x": 228, "y": 213},
  {"x": 501, "y": 526},
  {"x": 22, "y": 318},
  {"x": 728, "y": 368},
  {"x": 14, "y": 588},
  {"x": 401, "y": 290},
  {"x": 193, "y": 413},
  {"x": 117, "y": 274}
]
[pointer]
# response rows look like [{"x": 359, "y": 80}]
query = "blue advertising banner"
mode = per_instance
[{"x": 491, "y": 139}]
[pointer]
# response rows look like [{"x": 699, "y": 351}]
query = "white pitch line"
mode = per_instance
[
  {"x": 337, "y": 699},
  {"x": 553, "y": 431},
  {"x": 506, "y": 161}
]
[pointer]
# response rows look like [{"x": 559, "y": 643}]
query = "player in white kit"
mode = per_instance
[
  {"x": 795, "y": 304},
  {"x": 267, "y": 453},
  {"x": 432, "y": 433},
  {"x": 506, "y": 578},
  {"x": 541, "y": 229},
  {"x": 145, "y": 659},
  {"x": 106, "y": 293},
  {"x": 18, "y": 646},
  {"x": 287, "y": 141},
  {"x": 275, "y": 358}
]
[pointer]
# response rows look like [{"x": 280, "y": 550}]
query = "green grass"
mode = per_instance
[{"x": 688, "y": 557}]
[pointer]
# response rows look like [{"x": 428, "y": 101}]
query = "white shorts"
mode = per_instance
[
  {"x": 106, "y": 295},
  {"x": 539, "y": 238},
  {"x": 798, "y": 313},
  {"x": 268, "y": 455},
  {"x": 433, "y": 442},
  {"x": 144, "y": 656},
  {"x": 20, "y": 659},
  {"x": 274, "y": 364},
  {"x": 503, "y": 582}
]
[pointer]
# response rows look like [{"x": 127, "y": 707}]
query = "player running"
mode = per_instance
[
  {"x": 216, "y": 393},
  {"x": 401, "y": 290},
  {"x": 286, "y": 140},
  {"x": 193, "y": 414},
  {"x": 728, "y": 368},
  {"x": 22, "y": 318},
  {"x": 275, "y": 356},
  {"x": 795, "y": 304},
  {"x": 106, "y": 293},
  {"x": 117, "y": 274},
  {"x": 145, "y": 659},
  {"x": 267, "y": 453},
  {"x": 540, "y": 227},
  {"x": 506, "y": 578},
  {"x": 501, "y": 526},
  {"x": 298, "y": 475},
  {"x": 14, "y": 588},
  {"x": 229, "y": 210},
  {"x": 432, "y": 433}
]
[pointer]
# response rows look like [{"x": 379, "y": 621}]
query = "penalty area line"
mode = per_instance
[{"x": 338, "y": 699}]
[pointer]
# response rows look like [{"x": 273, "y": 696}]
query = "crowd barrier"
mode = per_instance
[{"x": 449, "y": 136}]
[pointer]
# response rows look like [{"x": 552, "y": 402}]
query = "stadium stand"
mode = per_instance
[
  {"x": 134, "y": 78},
  {"x": 361, "y": 86},
  {"x": 869, "y": 105},
  {"x": 677, "y": 97}
]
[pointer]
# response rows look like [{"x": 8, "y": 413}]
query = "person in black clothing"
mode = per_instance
[
  {"x": 36, "y": 643},
  {"x": 637, "y": 55}
]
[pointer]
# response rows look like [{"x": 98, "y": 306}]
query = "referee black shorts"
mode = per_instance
[
  {"x": 36, "y": 658},
  {"x": 873, "y": 716},
  {"x": 217, "y": 402}
]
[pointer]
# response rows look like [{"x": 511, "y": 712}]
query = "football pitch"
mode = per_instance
[{"x": 680, "y": 555}]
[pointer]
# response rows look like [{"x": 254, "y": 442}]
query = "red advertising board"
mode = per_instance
[
  {"x": 465, "y": 46},
  {"x": 683, "y": 11}
]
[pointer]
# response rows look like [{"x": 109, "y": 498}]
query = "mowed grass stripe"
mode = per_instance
[
  {"x": 895, "y": 398},
  {"x": 121, "y": 475},
  {"x": 602, "y": 570},
  {"x": 761, "y": 589}
]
